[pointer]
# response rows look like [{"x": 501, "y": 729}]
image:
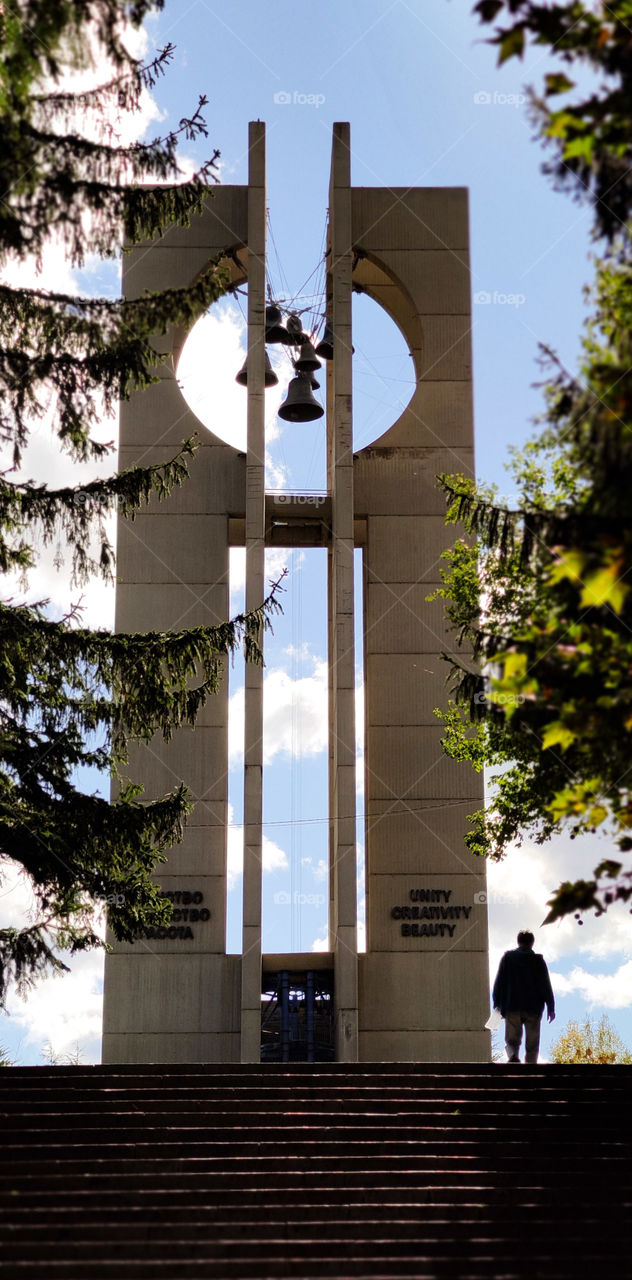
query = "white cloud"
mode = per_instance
[
  {"x": 520, "y": 886},
  {"x": 295, "y": 719},
  {"x": 319, "y": 871},
  {"x": 63, "y": 1010},
  {"x": 273, "y": 857},
  {"x": 606, "y": 990},
  {"x": 276, "y": 559},
  {"x": 359, "y": 718}
]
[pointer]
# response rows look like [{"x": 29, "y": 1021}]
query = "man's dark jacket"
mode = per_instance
[{"x": 522, "y": 983}]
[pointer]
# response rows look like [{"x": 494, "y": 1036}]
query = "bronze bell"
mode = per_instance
[
  {"x": 307, "y": 361},
  {"x": 325, "y": 348},
  {"x": 270, "y": 379},
  {"x": 273, "y": 314},
  {"x": 313, "y": 382},
  {"x": 295, "y": 330},
  {"x": 299, "y": 404},
  {"x": 275, "y": 330}
]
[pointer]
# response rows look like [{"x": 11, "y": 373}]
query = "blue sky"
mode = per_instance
[{"x": 427, "y": 107}]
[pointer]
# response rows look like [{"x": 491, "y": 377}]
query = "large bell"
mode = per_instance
[
  {"x": 269, "y": 379},
  {"x": 325, "y": 348},
  {"x": 307, "y": 361},
  {"x": 299, "y": 404}
]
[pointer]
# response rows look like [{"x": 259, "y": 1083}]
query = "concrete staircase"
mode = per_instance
[{"x": 383, "y": 1170}]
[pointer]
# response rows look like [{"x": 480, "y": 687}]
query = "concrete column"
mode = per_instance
[
  {"x": 341, "y": 639},
  {"x": 255, "y": 568}
]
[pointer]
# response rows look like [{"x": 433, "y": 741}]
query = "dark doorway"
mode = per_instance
[{"x": 297, "y": 1023}]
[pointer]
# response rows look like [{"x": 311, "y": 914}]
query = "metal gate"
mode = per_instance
[{"x": 297, "y": 1016}]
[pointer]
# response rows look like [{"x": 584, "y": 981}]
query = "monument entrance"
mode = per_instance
[{"x": 420, "y": 991}]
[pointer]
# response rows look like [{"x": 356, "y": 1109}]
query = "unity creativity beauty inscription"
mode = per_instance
[{"x": 432, "y": 916}]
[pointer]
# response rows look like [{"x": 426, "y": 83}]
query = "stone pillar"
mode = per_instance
[
  {"x": 424, "y": 985},
  {"x": 255, "y": 592},
  {"x": 174, "y": 996},
  {"x": 341, "y": 607}
]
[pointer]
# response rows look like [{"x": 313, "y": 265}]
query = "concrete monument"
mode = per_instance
[{"x": 421, "y": 989}]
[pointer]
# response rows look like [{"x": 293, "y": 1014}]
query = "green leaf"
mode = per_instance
[
  {"x": 605, "y": 587},
  {"x": 511, "y": 44},
  {"x": 558, "y": 734},
  {"x": 568, "y": 565},
  {"x": 558, "y": 83},
  {"x": 487, "y": 9},
  {"x": 580, "y": 149},
  {"x": 514, "y": 667}
]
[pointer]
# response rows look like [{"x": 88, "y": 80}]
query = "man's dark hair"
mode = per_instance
[{"x": 525, "y": 938}]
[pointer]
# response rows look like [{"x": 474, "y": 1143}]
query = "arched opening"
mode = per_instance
[{"x": 383, "y": 371}]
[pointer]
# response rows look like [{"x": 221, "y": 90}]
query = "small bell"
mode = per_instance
[
  {"x": 269, "y": 380},
  {"x": 275, "y": 330},
  {"x": 325, "y": 348},
  {"x": 295, "y": 329},
  {"x": 273, "y": 314},
  {"x": 307, "y": 361},
  {"x": 313, "y": 382},
  {"x": 299, "y": 404}
]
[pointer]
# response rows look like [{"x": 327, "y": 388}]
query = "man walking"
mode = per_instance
[{"x": 521, "y": 990}]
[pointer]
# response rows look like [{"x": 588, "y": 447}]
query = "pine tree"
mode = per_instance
[
  {"x": 71, "y": 697},
  {"x": 541, "y": 595}
]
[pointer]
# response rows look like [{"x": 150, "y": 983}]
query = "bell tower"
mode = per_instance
[{"x": 421, "y": 990}]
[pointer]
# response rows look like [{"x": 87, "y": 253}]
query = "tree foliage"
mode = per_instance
[
  {"x": 588, "y": 136},
  {"x": 590, "y": 1043},
  {"x": 71, "y": 698},
  {"x": 541, "y": 595}
]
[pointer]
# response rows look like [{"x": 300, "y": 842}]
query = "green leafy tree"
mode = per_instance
[
  {"x": 590, "y": 1042},
  {"x": 588, "y": 136},
  {"x": 541, "y": 595},
  {"x": 71, "y": 697}
]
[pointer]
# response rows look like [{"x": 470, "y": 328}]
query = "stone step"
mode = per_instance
[
  {"x": 289, "y": 1181},
  {"x": 379, "y": 1172},
  {"x": 312, "y": 1246},
  {"x": 231, "y": 1222},
  {"x": 191, "y": 1136},
  {"x": 384, "y": 1266},
  {"x": 208, "y": 1157}
]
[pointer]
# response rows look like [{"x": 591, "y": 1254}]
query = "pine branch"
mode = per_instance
[
  {"x": 80, "y": 158},
  {"x": 157, "y": 681},
  {"x": 76, "y": 348},
  {"x": 83, "y": 326},
  {"x": 59, "y": 204},
  {"x": 41, "y": 41},
  {"x": 125, "y": 89},
  {"x": 75, "y": 512}
]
